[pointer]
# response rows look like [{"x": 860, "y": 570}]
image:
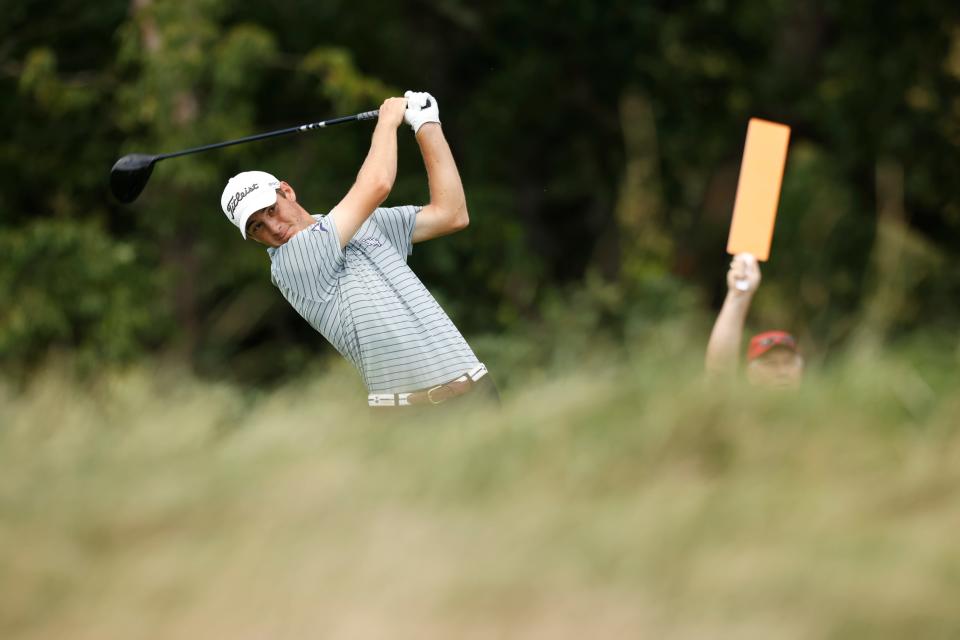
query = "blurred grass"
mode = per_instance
[{"x": 628, "y": 499}]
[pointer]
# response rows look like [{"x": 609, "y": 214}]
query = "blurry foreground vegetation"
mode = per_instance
[{"x": 627, "y": 500}]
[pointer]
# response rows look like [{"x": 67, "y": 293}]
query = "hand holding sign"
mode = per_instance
[
  {"x": 758, "y": 190},
  {"x": 744, "y": 274}
]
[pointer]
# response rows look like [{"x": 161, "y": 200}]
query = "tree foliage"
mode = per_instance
[{"x": 599, "y": 145}]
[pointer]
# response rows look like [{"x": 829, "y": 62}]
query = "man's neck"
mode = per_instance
[{"x": 304, "y": 221}]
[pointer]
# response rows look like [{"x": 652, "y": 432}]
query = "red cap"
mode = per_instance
[{"x": 763, "y": 342}]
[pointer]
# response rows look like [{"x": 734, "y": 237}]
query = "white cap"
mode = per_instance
[{"x": 245, "y": 194}]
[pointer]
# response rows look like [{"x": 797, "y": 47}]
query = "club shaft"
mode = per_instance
[{"x": 366, "y": 115}]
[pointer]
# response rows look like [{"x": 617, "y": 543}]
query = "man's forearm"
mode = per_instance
[
  {"x": 723, "y": 350},
  {"x": 446, "y": 187},
  {"x": 374, "y": 179},
  {"x": 379, "y": 168}
]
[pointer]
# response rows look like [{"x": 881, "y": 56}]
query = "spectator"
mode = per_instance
[{"x": 773, "y": 357}]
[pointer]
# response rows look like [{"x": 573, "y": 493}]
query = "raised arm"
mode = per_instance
[
  {"x": 446, "y": 212},
  {"x": 723, "y": 350},
  {"x": 376, "y": 176}
]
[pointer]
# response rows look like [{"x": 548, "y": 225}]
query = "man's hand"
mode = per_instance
[
  {"x": 421, "y": 109},
  {"x": 392, "y": 112},
  {"x": 743, "y": 278}
]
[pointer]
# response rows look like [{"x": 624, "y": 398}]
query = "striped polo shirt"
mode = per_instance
[{"x": 367, "y": 302}]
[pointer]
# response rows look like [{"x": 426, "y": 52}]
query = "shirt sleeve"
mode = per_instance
[
  {"x": 397, "y": 224},
  {"x": 310, "y": 263}
]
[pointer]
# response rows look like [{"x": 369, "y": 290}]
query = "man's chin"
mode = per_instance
[{"x": 288, "y": 234}]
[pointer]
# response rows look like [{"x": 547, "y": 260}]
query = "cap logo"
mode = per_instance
[{"x": 238, "y": 196}]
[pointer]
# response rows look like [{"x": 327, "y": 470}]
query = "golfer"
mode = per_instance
[
  {"x": 346, "y": 272},
  {"x": 773, "y": 358}
]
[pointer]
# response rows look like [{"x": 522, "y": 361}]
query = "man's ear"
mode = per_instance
[{"x": 288, "y": 191}]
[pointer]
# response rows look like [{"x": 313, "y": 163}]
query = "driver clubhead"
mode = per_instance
[{"x": 129, "y": 176}]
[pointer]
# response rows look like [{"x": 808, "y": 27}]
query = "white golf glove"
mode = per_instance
[{"x": 421, "y": 109}]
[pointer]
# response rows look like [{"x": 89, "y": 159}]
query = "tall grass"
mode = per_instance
[{"x": 631, "y": 499}]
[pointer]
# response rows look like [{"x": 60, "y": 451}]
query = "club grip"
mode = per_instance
[{"x": 366, "y": 115}]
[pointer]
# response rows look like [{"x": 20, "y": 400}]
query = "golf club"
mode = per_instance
[{"x": 130, "y": 173}]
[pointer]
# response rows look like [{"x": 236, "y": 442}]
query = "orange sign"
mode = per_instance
[{"x": 758, "y": 191}]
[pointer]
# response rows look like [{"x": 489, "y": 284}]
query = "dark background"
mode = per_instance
[{"x": 599, "y": 144}]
